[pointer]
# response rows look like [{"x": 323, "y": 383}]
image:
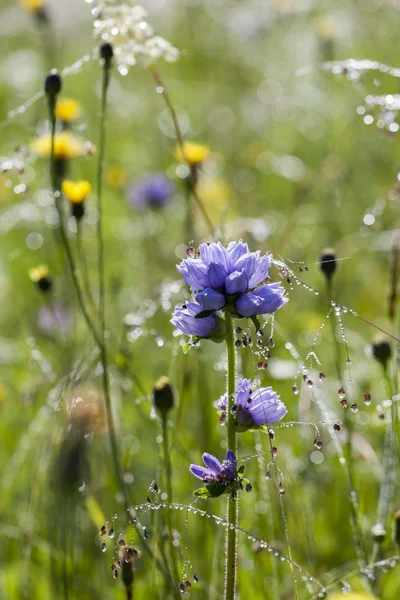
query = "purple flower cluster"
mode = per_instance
[
  {"x": 214, "y": 471},
  {"x": 254, "y": 408},
  {"x": 153, "y": 191},
  {"x": 228, "y": 278}
]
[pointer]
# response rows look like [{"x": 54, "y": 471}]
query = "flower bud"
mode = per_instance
[
  {"x": 163, "y": 396},
  {"x": 106, "y": 52},
  {"x": 327, "y": 263},
  {"x": 382, "y": 351},
  {"x": 53, "y": 84}
]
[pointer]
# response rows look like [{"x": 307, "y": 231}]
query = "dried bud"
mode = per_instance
[
  {"x": 396, "y": 528},
  {"x": 53, "y": 84},
  {"x": 327, "y": 263},
  {"x": 106, "y": 52},
  {"x": 382, "y": 351},
  {"x": 163, "y": 396}
]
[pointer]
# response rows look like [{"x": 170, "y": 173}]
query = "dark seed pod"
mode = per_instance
[
  {"x": 53, "y": 84},
  {"x": 382, "y": 351},
  {"x": 163, "y": 396},
  {"x": 396, "y": 528},
  {"x": 106, "y": 52},
  {"x": 77, "y": 210},
  {"x": 327, "y": 263}
]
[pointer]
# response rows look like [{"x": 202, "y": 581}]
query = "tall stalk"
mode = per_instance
[{"x": 233, "y": 503}]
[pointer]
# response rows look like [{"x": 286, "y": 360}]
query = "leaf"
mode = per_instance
[
  {"x": 241, "y": 470},
  {"x": 186, "y": 348},
  {"x": 202, "y": 492}
]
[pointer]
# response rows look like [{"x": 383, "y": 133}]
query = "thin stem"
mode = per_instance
[
  {"x": 233, "y": 503},
  {"x": 179, "y": 138},
  {"x": 347, "y": 463},
  {"x": 168, "y": 478}
]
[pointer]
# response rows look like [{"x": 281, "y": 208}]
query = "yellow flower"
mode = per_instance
[
  {"x": 327, "y": 28},
  {"x": 116, "y": 177},
  {"x": 65, "y": 146},
  {"x": 193, "y": 153},
  {"x": 68, "y": 110},
  {"x": 33, "y": 5},
  {"x": 76, "y": 191},
  {"x": 40, "y": 276},
  {"x": 215, "y": 194},
  {"x": 38, "y": 273}
]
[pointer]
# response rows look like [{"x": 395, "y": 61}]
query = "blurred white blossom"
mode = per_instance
[{"x": 125, "y": 25}]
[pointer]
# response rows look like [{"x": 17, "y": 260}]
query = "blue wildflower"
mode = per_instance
[
  {"x": 153, "y": 191},
  {"x": 232, "y": 278},
  {"x": 254, "y": 408},
  {"x": 185, "y": 318},
  {"x": 214, "y": 471}
]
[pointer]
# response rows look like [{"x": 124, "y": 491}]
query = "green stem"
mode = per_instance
[
  {"x": 168, "y": 478},
  {"x": 233, "y": 504}
]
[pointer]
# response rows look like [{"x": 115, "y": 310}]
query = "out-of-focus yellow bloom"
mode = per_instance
[
  {"x": 76, "y": 191},
  {"x": 215, "y": 194},
  {"x": 193, "y": 153},
  {"x": 33, "y": 5},
  {"x": 66, "y": 146},
  {"x": 352, "y": 596},
  {"x": 327, "y": 28},
  {"x": 38, "y": 273},
  {"x": 116, "y": 177},
  {"x": 68, "y": 110},
  {"x": 3, "y": 392}
]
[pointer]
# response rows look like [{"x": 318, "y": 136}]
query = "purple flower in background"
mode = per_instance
[
  {"x": 153, "y": 191},
  {"x": 55, "y": 319},
  {"x": 184, "y": 318},
  {"x": 232, "y": 278},
  {"x": 255, "y": 408},
  {"x": 214, "y": 471}
]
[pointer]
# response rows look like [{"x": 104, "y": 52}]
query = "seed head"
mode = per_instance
[
  {"x": 382, "y": 352},
  {"x": 163, "y": 396},
  {"x": 327, "y": 263},
  {"x": 53, "y": 84},
  {"x": 106, "y": 52}
]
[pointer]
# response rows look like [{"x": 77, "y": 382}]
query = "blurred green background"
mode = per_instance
[{"x": 294, "y": 168}]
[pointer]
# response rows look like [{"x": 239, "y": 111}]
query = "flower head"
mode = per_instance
[
  {"x": 153, "y": 191},
  {"x": 33, "y": 5},
  {"x": 76, "y": 191},
  {"x": 232, "y": 278},
  {"x": 184, "y": 318},
  {"x": 192, "y": 152},
  {"x": 254, "y": 408},
  {"x": 40, "y": 276},
  {"x": 214, "y": 471},
  {"x": 67, "y": 110},
  {"x": 66, "y": 146}
]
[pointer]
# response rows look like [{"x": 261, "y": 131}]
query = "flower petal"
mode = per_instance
[
  {"x": 266, "y": 299},
  {"x": 261, "y": 271},
  {"x": 230, "y": 465},
  {"x": 210, "y": 299},
  {"x": 243, "y": 388},
  {"x": 200, "y": 472},
  {"x": 236, "y": 283},
  {"x": 212, "y": 463},
  {"x": 216, "y": 274},
  {"x": 194, "y": 272},
  {"x": 184, "y": 318},
  {"x": 214, "y": 252},
  {"x": 235, "y": 250}
]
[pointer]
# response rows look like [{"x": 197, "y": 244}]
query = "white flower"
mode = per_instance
[{"x": 125, "y": 26}]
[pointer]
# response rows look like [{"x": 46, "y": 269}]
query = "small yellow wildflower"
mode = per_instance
[
  {"x": 193, "y": 153},
  {"x": 116, "y": 177},
  {"x": 327, "y": 28},
  {"x": 68, "y": 110},
  {"x": 40, "y": 276},
  {"x": 38, "y": 273},
  {"x": 66, "y": 146},
  {"x": 76, "y": 191},
  {"x": 33, "y": 5}
]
